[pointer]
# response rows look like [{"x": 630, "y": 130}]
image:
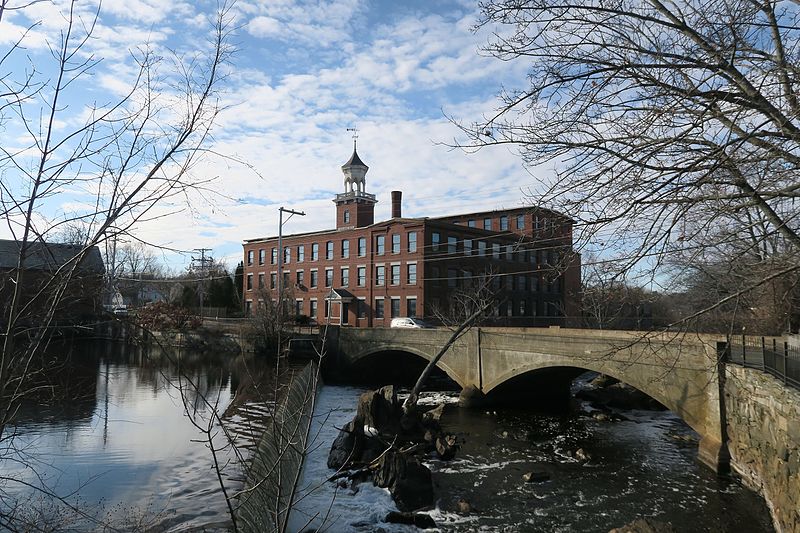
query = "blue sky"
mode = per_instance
[{"x": 303, "y": 73}]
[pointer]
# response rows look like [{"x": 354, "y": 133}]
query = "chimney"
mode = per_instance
[{"x": 397, "y": 196}]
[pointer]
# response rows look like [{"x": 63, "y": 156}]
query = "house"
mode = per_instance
[
  {"x": 50, "y": 275},
  {"x": 364, "y": 273}
]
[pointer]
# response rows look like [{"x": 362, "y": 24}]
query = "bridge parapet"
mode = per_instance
[{"x": 678, "y": 370}]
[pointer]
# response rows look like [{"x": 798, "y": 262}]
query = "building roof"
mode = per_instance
[
  {"x": 354, "y": 160},
  {"x": 49, "y": 256},
  {"x": 519, "y": 209},
  {"x": 337, "y": 230}
]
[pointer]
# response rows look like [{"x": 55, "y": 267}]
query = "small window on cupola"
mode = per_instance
[{"x": 346, "y": 216}]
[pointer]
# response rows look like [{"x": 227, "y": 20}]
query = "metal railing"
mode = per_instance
[{"x": 770, "y": 354}]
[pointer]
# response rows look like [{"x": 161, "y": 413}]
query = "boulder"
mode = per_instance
[
  {"x": 535, "y": 477},
  {"x": 414, "y": 490},
  {"x": 434, "y": 415},
  {"x": 463, "y": 506},
  {"x": 446, "y": 447},
  {"x": 419, "y": 520},
  {"x": 581, "y": 455},
  {"x": 620, "y": 396},
  {"x": 346, "y": 447}
]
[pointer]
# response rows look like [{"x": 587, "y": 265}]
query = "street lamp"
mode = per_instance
[{"x": 291, "y": 212}]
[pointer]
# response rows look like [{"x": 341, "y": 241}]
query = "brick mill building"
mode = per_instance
[{"x": 364, "y": 273}]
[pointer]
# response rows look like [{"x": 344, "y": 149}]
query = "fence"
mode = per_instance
[{"x": 770, "y": 354}]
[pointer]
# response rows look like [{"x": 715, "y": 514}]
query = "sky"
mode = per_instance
[{"x": 302, "y": 74}]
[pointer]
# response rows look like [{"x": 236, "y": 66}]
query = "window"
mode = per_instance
[
  {"x": 467, "y": 246},
  {"x": 533, "y": 254},
  {"x": 262, "y": 256},
  {"x": 314, "y": 251},
  {"x": 313, "y": 283},
  {"x": 328, "y": 277},
  {"x": 301, "y": 254},
  {"x": 471, "y": 223},
  {"x": 504, "y": 223},
  {"x": 248, "y": 307},
  {"x": 250, "y": 254},
  {"x": 380, "y": 275},
  {"x": 411, "y": 307},
  {"x": 326, "y": 308},
  {"x": 481, "y": 248},
  {"x": 395, "y": 274},
  {"x": 286, "y": 280},
  {"x": 509, "y": 308},
  {"x": 520, "y": 221},
  {"x": 379, "y": 308},
  {"x": 362, "y": 308},
  {"x": 313, "y": 311},
  {"x": 395, "y": 307},
  {"x": 495, "y": 250},
  {"x": 435, "y": 239},
  {"x": 396, "y": 243},
  {"x": 345, "y": 249},
  {"x": 434, "y": 277},
  {"x": 329, "y": 250},
  {"x": 452, "y": 277},
  {"x": 362, "y": 276},
  {"x": 273, "y": 256},
  {"x": 534, "y": 283},
  {"x": 412, "y": 241},
  {"x": 301, "y": 277},
  {"x": 521, "y": 283},
  {"x": 345, "y": 277},
  {"x": 362, "y": 246},
  {"x": 412, "y": 274},
  {"x": 487, "y": 223},
  {"x": 467, "y": 275},
  {"x": 261, "y": 281},
  {"x": 249, "y": 282},
  {"x": 522, "y": 308},
  {"x": 509, "y": 252},
  {"x": 287, "y": 255},
  {"x": 380, "y": 244},
  {"x": 273, "y": 280},
  {"x": 452, "y": 245},
  {"x": 346, "y": 216},
  {"x": 298, "y": 307}
]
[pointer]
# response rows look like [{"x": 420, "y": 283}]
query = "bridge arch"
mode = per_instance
[
  {"x": 647, "y": 384},
  {"x": 395, "y": 347}
]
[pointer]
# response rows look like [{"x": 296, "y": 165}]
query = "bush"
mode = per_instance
[{"x": 161, "y": 316}]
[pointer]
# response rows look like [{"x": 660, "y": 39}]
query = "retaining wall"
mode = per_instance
[{"x": 763, "y": 417}]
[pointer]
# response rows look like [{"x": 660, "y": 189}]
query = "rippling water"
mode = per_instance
[
  {"x": 121, "y": 448},
  {"x": 642, "y": 467}
]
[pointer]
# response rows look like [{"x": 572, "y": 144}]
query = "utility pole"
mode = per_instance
[
  {"x": 291, "y": 212},
  {"x": 205, "y": 263}
]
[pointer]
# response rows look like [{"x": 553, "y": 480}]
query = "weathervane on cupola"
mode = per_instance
[
  {"x": 355, "y": 171},
  {"x": 355, "y": 207}
]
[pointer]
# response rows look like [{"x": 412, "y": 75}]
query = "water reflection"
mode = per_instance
[{"x": 114, "y": 437}]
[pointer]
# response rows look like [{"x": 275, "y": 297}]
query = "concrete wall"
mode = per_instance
[{"x": 763, "y": 418}]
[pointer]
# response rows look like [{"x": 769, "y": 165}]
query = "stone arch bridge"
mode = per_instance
[{"x": 679, "y": 370}]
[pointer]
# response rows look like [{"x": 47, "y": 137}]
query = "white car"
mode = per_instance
[{"x": 408, "y": 322}]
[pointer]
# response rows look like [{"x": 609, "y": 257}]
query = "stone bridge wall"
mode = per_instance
[{"x": 764, "y": 440}]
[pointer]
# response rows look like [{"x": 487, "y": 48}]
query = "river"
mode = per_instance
[{"x": 117, "y": 445}]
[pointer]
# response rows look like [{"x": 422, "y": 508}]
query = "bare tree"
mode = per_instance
[
  {"x": 126, "y": 158},
  {"x": 662, "y": 120}
]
